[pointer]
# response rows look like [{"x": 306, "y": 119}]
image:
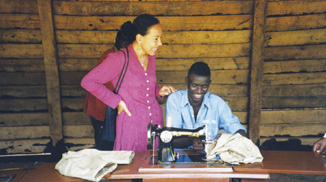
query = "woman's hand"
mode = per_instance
[
  {"x": 123, "y": 107},
  {"x": 166, "y": 90}
]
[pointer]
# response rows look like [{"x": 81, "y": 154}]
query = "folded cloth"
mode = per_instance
[
  {"x": 92, "y": 164},
  {"x": 234, "y": 149}
]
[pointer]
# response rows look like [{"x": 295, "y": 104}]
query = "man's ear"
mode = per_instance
[{"x": 139, "y": 38}]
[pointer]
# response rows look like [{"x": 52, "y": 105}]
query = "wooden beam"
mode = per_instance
[
  {"x": 256, "y": 74},
  {"x": 51, "y": 70}
]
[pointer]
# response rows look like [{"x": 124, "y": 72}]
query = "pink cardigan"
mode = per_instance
[{"x": 138, "y": 90}]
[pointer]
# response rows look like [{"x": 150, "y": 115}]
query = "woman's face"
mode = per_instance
[{"x": 152, "y": 40}]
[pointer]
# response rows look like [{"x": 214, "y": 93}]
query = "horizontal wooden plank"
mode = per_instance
[
  {"x": 300, "y": 22},
  {"x": 206, "y": 37},
  {"x": 293, "y": 116},
  {"x": 24, "y": 65},
  {"x": 23, "y": 105},
  {"x": 209, "y": 51},
  {"x": 294, "y": 78},
  {"x": 295, "y": 52},
  {"x": 297, "y": 7},
  {"x": 243, "y": 116},
  {"x": 237, "y": 63},
  {"x": 299, "y": 37},
  {"x": 39, "y": 91},
  {"x": 21, "y": 51},
  {"x": 293, "y": 102},
  {"x": 179, "y": 8},
  {"x": 39, "y": 104},
  {"x": 170, "y": 23},
  {"x": 294, "y": 90},
  {"x": 20, "y": 36},
  {"x": 17, "y": 6},
  {"x": 24, "y": 145},
  {"x": 28, "y": 21},
  {"x": 217, "y": 76},
  {"x": 72, "y": 91},
  {"x": 79, "y": 64},
  {"x": 24, "y": 132},
  {"x": 78, "y": 131},
  {"x": 41, "y": 119},
  {"x": 23, "y": 119},
  {"x": 22, "y": 78},
  {"x": 291, "y": 129},
  {"x": 312, "y": 65},
  {"x": 38, "y": 79},
  {"x": 22, "y": 91},
  {"x": 75, "y": 118},
  {"x": 237, "y": 104}
]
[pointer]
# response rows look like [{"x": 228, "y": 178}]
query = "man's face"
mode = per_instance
[{"x": 197, "y": 87}]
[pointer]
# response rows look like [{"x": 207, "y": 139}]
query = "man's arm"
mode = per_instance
[{"x": 242, "y": 132}]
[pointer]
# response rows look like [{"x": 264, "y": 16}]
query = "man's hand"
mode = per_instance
[
  {"x": 123, "y": 107},
  {"x": 166, "y": 90},
  {"x": 197, "y": 144},
  {"x": 320, "y": 146}
]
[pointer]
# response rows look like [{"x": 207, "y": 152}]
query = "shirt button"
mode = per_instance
[
  {"x": 148, "y": 101},
  {"x": 149, "y": 107},
  {"x": 146, "y": 74},
  {"x": 147, "y": 81},
  {"x": 147, "y": 88},
  {"x": 146, "y": 95},
  {"x": 150, "y": 114}
]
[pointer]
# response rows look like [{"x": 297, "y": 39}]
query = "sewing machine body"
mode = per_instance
[{"x": 166, "y": 135}]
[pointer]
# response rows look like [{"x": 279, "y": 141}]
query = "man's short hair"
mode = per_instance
[{"x": 200, "y": 69}]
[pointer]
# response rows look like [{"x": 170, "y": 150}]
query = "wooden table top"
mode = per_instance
[
  {"x": 291, "y": 162},
  {"x": 274, "y": 162}
]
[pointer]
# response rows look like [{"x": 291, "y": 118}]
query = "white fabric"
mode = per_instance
[
  {"x": 235, "y": 149},
  {"x": 324, "y": 135},
  {"x": 92, "y": 164}
]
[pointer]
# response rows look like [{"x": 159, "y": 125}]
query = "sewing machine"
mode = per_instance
[{"x": 167, "y": 134}]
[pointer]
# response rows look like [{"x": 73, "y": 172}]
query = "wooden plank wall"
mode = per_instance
[
  {"x": 294, "y": 89},
  {"x": 217, "y": 32}
]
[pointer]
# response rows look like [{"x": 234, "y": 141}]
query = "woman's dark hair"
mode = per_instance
[
  {"x": 200, "y": 69},
  {"x": 128, "y": 31}
]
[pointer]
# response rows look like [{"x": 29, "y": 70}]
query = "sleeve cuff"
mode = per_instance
[{"x": 324, "y": 135}]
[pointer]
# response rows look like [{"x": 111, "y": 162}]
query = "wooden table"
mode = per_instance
[
  {"x": 290, "y": 162},
  {"x": 274, "y": 162}
]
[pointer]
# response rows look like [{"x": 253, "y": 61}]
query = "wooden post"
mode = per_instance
[
  {"x": 256, "y": 74},
  {"x": 51, "y": 70}
]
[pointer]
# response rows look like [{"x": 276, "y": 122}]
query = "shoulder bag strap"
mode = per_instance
[{"x": 123, "y": 71}]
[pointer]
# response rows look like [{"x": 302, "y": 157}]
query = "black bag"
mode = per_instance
[{"x": 109, "y": 127}]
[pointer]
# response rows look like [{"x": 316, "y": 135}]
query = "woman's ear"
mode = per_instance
[{"x": 139, "y": 38}]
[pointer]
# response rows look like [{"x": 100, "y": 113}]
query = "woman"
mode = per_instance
[
  {"x": 95, "y": 108},
  {"x": 136, "y": 102}
]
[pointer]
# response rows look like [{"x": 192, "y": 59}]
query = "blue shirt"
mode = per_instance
[{"x": 213, "y": 112}]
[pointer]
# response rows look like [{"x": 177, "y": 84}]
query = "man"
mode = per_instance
[
  {"x": 320, "y": 146},
  {"x": 195, "y": 107}
]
